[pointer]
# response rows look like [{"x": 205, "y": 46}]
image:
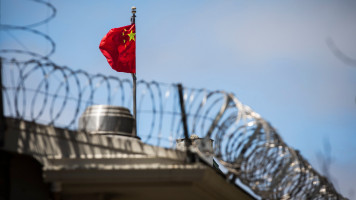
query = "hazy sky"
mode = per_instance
[{"x": 273, "y": 55}]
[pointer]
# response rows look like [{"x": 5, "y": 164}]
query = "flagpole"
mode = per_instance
[{"x": 134, "y": 131}]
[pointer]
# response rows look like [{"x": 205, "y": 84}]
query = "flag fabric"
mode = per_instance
[{"x": 119, "y": 48}]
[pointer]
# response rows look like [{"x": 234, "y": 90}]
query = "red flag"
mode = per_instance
[{"x": 119, "y": 48}]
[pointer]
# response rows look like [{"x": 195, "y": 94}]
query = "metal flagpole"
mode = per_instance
[{"x": 134, "y": 131}]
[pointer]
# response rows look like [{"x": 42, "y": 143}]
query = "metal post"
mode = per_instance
[
  {"x": 188, "y": 142},
  {"x": 134, "y": 131},
  {"x": 133, "y": 10},
  {"x": 2, "y": 116}
]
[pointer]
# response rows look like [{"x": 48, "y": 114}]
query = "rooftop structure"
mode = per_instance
[{"x": 78, "y": 165}]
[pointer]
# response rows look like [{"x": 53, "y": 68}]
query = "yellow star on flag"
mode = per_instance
[{"x": 132, "y": 36}]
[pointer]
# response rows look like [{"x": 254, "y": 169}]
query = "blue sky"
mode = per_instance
[{"x": 273, "y": 55}]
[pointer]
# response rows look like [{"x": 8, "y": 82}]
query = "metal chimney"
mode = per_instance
[{"x": 106, "y": 120}]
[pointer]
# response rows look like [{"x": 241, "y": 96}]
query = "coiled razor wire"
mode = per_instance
[
  {"x": 249, "y": 147},
  {"x": 29, "y": 28}
]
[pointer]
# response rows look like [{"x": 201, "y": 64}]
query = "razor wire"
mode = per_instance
[
  {"x": 248, "y": 146},
  {"x": 30, "y": 28}
]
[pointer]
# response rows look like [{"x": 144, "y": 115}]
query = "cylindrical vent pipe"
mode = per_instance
[{"x": 106, "y": 120}]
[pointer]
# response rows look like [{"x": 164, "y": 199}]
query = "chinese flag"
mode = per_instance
[{"x": 119, "y": 48}]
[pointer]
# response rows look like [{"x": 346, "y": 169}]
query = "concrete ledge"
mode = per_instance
[
  {"x": 85, "y": 166},
  {"x": 47, "y": 142}
]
